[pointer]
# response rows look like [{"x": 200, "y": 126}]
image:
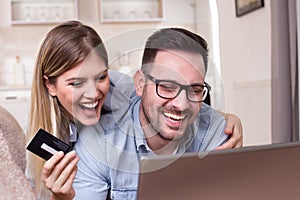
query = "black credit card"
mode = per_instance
[{"x": 45, "y": 145}]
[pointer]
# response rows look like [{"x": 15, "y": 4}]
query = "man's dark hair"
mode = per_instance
[{"x": 174, "y": 39}]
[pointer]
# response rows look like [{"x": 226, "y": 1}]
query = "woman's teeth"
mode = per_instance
[{"x": 90, "y": 105}]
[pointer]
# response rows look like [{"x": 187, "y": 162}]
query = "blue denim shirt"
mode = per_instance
[{"x": 110, "y": 150}]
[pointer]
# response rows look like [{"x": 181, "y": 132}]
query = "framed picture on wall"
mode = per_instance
[{"x": 243, "y": 7}]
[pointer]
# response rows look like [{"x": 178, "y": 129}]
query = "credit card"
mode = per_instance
[{"x": 45, "y": 145}]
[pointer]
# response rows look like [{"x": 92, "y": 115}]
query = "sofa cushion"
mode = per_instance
[
  {"x": 14, "y": 136},
  {"x": 13, "y": 183}
]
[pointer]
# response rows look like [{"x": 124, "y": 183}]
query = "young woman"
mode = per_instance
[{"x": 69, "y": 88}]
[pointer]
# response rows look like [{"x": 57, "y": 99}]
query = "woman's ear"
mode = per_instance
[
  {"x": 50, "y": 87},
  {"x": 139, "y": 82}
]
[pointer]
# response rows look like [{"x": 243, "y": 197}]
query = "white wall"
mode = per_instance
[{"x": 245, "y": 57}]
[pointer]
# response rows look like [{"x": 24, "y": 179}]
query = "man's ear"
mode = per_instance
[
  {"x": 50, "y": 87},
  {"x": 139, "y": 82}
]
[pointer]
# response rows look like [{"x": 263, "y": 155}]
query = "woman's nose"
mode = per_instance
[{"x": 91, "y": 90}]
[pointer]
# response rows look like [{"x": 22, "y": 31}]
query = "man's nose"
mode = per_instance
[{"x": 181, "y": 102}]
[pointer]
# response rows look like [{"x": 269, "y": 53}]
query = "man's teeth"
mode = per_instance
[
  {"x": 175, "y": 117},
  {"x": 90, "y": 105}
]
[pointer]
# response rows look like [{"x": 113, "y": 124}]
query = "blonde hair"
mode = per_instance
[{"x": 63, "y": 47}]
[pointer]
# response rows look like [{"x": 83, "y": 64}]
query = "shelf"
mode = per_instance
[
  {"x": 130, "y": 11},
  {"x": 131, "y": 20},
  {"x": 42, "y": 11},
  {"x": 14, "y": 87}
]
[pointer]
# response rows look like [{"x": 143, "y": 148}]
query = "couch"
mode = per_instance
[{"x": 13, "y": 182}]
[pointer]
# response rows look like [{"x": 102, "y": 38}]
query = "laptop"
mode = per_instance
[{"x": 268, "y": 172}]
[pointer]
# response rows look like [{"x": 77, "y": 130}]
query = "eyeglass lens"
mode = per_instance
[{"x": 170, "y": 90}]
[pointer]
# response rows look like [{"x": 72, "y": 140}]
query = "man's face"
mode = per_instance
[{"x": 170, "y": 117}]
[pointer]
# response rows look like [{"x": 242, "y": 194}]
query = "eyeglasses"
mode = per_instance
[{"x": 170, "y": 89}]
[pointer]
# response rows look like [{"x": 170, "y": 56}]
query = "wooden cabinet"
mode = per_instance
[
  {"x": 42, "y": 11},
  {"x": 131, "y": 11}
]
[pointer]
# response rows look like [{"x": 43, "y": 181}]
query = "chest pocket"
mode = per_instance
[
  {"x": 125, "y": 194},
  {"x": 124, "y": 185}
]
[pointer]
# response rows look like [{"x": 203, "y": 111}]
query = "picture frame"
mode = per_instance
[{"x": 243, "y": 7}]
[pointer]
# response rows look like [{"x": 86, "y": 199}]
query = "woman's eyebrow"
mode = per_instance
[
  {"x": 74, "y": 79},
  {"x": 82, "y": 78}
]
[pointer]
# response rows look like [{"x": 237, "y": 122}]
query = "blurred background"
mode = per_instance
[{"x": 253, "y": 51}]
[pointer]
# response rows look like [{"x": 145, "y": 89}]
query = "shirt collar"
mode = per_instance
[
  {"x": 140, "y": 140},
  {"x": 73, "y": 132}
]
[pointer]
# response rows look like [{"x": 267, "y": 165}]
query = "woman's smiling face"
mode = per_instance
[{"x": 82, "y": 89}]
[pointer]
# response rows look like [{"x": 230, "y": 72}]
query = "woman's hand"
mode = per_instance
[
  {"x": 59, "y": 173},
  {"x": 235, "y": 130}
]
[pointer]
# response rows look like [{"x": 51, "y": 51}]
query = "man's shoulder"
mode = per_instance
[
  {"x": 121, "y": 83},
  {"x": 122, "y": 117},
  {"x": 115, "y": 120},
  {"x": 111, "y": 142},
  {"x": 91, "y": 133},
  {"x": 120, "y": 91},
  {"x": 208, "y": 115},
  {"x": 208, "y": 129}
]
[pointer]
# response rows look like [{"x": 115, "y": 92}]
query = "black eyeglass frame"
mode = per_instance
[{"x": 181, "y": 87}]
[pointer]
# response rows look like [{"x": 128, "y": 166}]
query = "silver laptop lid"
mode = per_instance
[{"x": 268, "y": 172}]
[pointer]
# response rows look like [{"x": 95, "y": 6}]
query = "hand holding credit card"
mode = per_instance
[{"x": 45, "y": 145}]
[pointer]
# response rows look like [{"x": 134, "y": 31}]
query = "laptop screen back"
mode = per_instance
[{"x": 269, "y": 172}]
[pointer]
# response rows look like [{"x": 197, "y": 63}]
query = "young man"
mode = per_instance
[{"x": 166, "y": 116}]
